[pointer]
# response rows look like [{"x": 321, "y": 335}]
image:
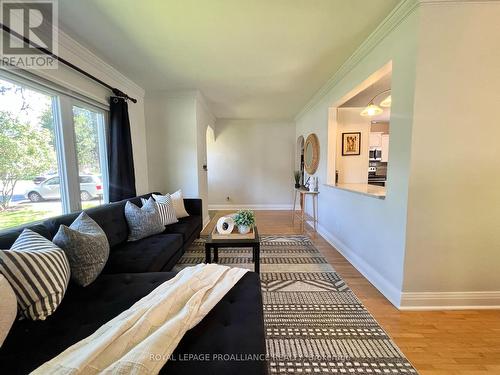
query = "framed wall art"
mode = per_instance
[{"x": 351, "y": 144}]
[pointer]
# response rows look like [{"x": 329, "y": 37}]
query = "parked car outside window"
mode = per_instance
[{"x": 90, "y": 188}]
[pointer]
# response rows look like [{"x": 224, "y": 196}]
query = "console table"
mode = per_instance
[{"x": 303, "y": 217}]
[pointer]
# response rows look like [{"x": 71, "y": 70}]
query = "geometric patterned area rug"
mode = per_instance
[{"x": 314, "y": 323}]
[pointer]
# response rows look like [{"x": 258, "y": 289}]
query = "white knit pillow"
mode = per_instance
[
  {"x": 8, "y": 308},
  {"x": 178, "y": 200}
]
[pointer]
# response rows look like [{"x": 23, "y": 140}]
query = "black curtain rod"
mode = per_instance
[{"x": 45, "y": 51}]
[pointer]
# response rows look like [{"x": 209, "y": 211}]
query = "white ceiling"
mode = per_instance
[
  {"x": 251, "y": 59},
  {"x": 363, "y": 98}
]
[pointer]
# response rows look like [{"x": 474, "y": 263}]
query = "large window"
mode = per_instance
[{"x": 52, "y": 153}]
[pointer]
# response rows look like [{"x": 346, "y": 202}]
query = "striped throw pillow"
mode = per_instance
[
  {"x": 38, "y": 272},
  {"x": 165, "y": 208}
]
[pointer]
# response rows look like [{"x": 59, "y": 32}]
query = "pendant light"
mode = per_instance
[
  {"x": 372, "y": 109},
  {"x": 386, "y": 103}
]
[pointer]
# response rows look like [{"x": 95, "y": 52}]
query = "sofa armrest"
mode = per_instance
[{"x": 193, "y": 206}]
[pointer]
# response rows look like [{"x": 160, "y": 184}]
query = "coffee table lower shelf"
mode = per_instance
[{"x": 217, "y": 244}]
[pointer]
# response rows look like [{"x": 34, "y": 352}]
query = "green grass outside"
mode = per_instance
[
  {"x": 23, "y": 214},
  {"x": 15, "y": 217},
  {"x": 89, "y": 204}
]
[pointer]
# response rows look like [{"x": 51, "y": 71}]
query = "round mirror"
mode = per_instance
[
  {"x": 311, "y": 157},
  {"x": 309, "y": 154}
]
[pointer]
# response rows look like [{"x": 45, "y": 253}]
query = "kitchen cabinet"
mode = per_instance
[
  {"x": 375, "y": 140},
  {"x": 385, "y": 147}
]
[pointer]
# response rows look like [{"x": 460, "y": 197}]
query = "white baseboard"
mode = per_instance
[
  {"x": 256, "y": 207},
  {"x": 385, "y": 287},
  {"x": 450, "y": 300},
  {"x": 414, "y": 301}
]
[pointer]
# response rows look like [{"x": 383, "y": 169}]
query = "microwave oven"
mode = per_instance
[{"x": 375, "y": 154}]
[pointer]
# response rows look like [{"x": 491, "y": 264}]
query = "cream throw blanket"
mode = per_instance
[{"x": 141, "y": 339}]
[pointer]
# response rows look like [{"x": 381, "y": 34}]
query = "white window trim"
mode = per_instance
[{"x": 48, "y": 87}]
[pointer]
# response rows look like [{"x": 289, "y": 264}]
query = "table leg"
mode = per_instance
[
  {"x": 294, "y": 202},
  {"x": 315, "y": 208},
  {"x": 216, "y": 254},
  {"x": 253, "y": 254},
  {"x": 257, "y": 258},
  {"x": 303, "y": 197},
  {"x": 207, "y": 253}
]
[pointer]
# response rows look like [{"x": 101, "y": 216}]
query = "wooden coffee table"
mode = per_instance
[{"x": 217, "y": 244}]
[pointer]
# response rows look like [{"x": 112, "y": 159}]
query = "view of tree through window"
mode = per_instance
[
  {"x": 31, "y": 183},
  {"x": 28, "y": 155},
  {"x": 87, "y": 131}
]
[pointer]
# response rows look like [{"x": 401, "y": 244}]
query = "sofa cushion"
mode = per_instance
[
  {"x": 110, "y": 217},
  {"x": 186, "y": 226},
  {"x": 234, "y": 325},
  {"x": 147, "y": 255},
  {"x": 82, "y": 311}
]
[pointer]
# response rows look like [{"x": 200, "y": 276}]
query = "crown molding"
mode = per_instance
[
  {"x": 75, "y": 52},
  {"x": 203, "y": 102},
  {"x": 455, "y": 2},
  {"x": 397, "y": 15}
]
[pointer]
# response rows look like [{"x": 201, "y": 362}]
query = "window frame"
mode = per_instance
[{"x": 63, "y": 101}]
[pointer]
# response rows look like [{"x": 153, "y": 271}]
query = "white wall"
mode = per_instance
[
  {"x": 353, "y": 169},
  {"x": 252, "y": 162},
  {"x": 171, "y": 136},
  {"x": 436, "y": 240},
  {"x": 453, "y": 235},
  {"x": 176, "y": 142},
  {"x": 347, "y": 219},
  {"x": 72, "y": 51}
]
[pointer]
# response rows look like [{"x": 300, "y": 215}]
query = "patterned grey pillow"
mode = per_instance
[
  {"x": 86, "y": 247},
  {"x": 144, "y": 221}
]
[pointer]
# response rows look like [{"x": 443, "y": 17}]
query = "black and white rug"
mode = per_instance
[{"x": 314, "y": 322}]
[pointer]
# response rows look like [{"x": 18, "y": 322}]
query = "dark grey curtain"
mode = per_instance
[{"x": 120, "y": 158}]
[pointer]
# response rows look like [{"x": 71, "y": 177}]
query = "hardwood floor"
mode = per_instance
[{"x": 436, "y": 342}]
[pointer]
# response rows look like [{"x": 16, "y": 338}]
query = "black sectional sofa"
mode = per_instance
[{"x": 229, "y": 340}]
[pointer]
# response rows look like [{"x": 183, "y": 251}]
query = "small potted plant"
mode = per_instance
[
  {"x": 245, "y": 220},
  {"x": 296, "y": 175}
]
